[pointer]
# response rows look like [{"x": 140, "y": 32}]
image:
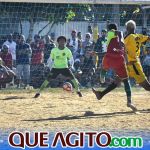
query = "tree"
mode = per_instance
[{"x": 53, "y": 13}]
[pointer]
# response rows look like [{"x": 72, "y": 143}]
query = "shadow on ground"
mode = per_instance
[
  {"x": 89, "y": 114},
  {"x": 13, "y": 98}
]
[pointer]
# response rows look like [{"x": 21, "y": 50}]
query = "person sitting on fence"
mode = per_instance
[
  {"x": 6, "y": 74},
  {"x": 12, "y": 47}
]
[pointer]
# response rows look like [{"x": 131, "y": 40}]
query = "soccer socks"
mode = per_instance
[
  {"x": 102, "y": 75},
  {"x": 127, "y": 88},
  {"x": 44, "y": 85},
  {"x": 76, "y": 84},
  {"x": 111, "y": 87}
]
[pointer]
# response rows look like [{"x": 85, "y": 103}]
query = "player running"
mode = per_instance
[
  {"x": 58, "y": 64},
  {"x": 114, "y": 59},
  {"x": 133, "y": 42}
]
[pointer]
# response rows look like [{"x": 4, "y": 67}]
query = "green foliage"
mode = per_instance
[{"x": 70, "y": 15}]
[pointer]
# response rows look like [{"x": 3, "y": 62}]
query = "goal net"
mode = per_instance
[{"x": 42, "y": 22}]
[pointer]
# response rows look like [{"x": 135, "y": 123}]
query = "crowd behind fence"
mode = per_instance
[{"x": 24, "y": 62}]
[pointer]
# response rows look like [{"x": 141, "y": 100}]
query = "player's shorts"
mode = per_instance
[
  {"x": 117, "y": 64},
  {"x": 65, "y": 72},
  {"x": 135, "y": 71}
]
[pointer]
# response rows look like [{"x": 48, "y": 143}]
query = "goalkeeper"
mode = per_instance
[{"x": 58, "y": 64}]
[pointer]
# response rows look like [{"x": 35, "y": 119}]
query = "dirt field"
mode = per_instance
[{"x": 59, "y": 110}]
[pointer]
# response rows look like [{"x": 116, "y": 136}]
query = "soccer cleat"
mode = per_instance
[
  {"x": 79, "y": 93},
  {"x": 132, "y": 107},
  {"x": 98, "y": 94},
  {"x": 37, "y": 95}
]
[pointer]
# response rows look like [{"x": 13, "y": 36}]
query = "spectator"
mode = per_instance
[
  {"x": 37, "y": 62},
  {"x": 12, "y": 47},
  {"x": 79, "y": 36},
  {"x": 90, "y": 29},
  {"x": 74, "y": 44},
  {"x": 29, "y": 40},
  {"x": 87, "y": 44},
  {"x": 49, "y": 45},
  {"x": 16, "y": 37},
  {"x": 37, "y": 50},
  {"x": 6, "y": 75},
  {"x": 23, "y": 56},
  {"x": 52, "y": 35},
  {"x": 100, "y": 46},
  {"x": 2, "y": 40},
  {"x": 6, "y": 56},
  {"x": 146, "y": 64},
  {"x": 88, "y": 70}
]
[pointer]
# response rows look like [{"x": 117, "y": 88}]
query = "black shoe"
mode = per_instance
[
  {"x": 37, "y": 95},
  {"x": 79, "y": 93},
  {"x": 98, "y": 94}
]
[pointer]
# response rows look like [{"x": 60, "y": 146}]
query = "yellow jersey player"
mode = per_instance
[{"x": 133, "y": 42}]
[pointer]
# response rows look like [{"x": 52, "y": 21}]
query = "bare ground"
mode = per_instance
[{"x": 58, "y": 110}]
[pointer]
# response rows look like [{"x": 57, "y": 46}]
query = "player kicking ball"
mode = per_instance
[
  {"x": 133, "y": 42},
  {"x": 115, "y": 59},
  {"x": 58, "y": 64}
]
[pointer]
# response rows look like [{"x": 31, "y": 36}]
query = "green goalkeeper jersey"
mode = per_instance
[
  {"x": 60, "y": 57},
  {"x": 110, "y": 36}
]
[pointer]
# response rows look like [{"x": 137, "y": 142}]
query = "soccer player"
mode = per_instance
[
  {"x": 133, "y": 42},
  {"x": 114, "y": 59},
  {"x": 58, "y": 64}
]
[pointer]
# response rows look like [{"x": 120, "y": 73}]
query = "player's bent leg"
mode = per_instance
[
  {"x": 102, "y": 75},
  {"x": 128, "y": 93},
  {"x": 44, "y": 85},
  {"x": 122, "y": 72},
  {"x": 139, "y": 76},
  {"x": 127, "y": 88},
  {"x": 53, "y": 74},
  {"x": 99, "y": 94},
  {"x": 145, "y": 85},
  {"x": 76, "y": 85}
]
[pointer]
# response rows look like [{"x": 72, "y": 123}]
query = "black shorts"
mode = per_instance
[{"x": 65, "y": 72}]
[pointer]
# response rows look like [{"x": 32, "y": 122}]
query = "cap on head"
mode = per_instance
[
  {"x": 88, "y": 35},
  {"x": 5, "y": 46}
]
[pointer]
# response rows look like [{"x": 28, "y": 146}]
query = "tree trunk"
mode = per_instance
[
  {"x": 43, "y": 28},
  {"x": 20, "y": 25},
  {"x": 31, "y": 28},
  {"x": 53, "y": 23}
]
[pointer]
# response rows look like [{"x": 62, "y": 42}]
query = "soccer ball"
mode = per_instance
[{"x": 67, "y": 87}]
